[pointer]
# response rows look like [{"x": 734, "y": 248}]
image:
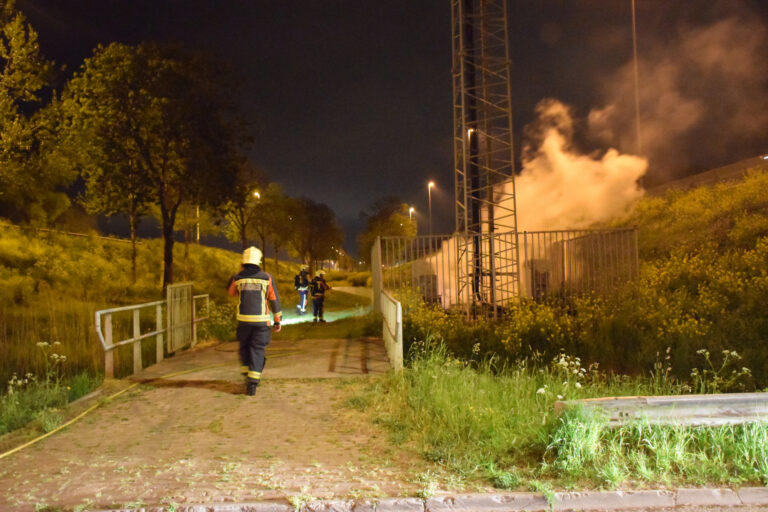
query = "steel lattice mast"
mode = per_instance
[{"x": 484, "y": 153}]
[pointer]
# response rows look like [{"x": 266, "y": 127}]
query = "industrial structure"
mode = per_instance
[{"x": 487, "y": 264}]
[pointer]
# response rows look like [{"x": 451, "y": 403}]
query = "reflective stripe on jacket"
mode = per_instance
[{"x": 256, "y": 291}]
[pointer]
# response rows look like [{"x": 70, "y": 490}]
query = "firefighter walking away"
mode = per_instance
[
  {"x": 301, "y": 283},
  {"x": 256, "y": 292},
  {"x": 318, "y": 288}
]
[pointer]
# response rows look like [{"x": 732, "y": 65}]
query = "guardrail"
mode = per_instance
[
  {"x": 104, "y": 330},
  {"x": 688, "y": 410}
]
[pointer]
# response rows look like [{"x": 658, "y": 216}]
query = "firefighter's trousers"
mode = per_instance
[
  {"x": 317, "y": 306},
  {"x": 303, "y": 294},
  {"x": 253, "y": 339}
]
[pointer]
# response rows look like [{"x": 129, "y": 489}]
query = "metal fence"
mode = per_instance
[
  {"x": 551, "y": 263},
  {"x": 561, "y": 263},
  {"x": 123, "y": 326}
]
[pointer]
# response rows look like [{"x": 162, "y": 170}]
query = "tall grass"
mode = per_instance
[
  {"x": 582, "y": 446},
  {"x": 52, "y": 284},
  {"x": 498, "y": 423}
]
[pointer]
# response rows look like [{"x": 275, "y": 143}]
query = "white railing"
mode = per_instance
[
  {"x": 392, "y": 313},
  {"x": 105, "y": 331}
]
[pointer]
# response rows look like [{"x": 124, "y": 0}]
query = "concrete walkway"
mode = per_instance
[
  {"x": 688, "y": 500},
  {"x": 187, "y": 439},
  {"x": 286, "y": 359}
]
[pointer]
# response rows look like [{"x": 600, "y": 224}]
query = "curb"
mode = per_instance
[{"x": 507, "y": 502}]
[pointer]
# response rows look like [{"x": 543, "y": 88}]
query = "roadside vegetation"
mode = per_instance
[
  {"x": 495, "y": 424},
  {"x": 51, "y": 284},
  {"x": 478, "y": 398}
]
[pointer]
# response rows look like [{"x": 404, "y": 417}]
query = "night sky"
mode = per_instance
[{"x": 350, "y": 100}]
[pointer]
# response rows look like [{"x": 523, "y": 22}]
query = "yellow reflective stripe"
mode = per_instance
[
  {"x": 254, "y": 318},
  {"x": 254, "y": 375},
  {"x": 263, "y": 290},
  {"x": 243, "y": 370},
  {"x": 247, "y": 280}
]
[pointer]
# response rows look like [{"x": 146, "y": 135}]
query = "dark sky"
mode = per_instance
[{"x": 350, "y": 100}]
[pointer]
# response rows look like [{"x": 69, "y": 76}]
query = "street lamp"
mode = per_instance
[
  {"x": 256, "y": 194},
  {"x": 410, "y": 213},
  {"x": 429, "y": 197}
]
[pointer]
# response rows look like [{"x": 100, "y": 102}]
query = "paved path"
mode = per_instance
[
  {"x": 186, "y": 438},
  {"x": 188, "y": 434}
]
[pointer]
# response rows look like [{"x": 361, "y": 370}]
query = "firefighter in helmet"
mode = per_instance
[
  {"x": 318, "y": 288},
  {"x": 301, "y": 283},
  {"x": 256, "y": 291}
]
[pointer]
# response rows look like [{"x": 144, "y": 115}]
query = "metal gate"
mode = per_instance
[{"x": 180, "y": 316}]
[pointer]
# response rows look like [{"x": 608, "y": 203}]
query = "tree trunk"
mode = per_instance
[
  {"x": 243, "y": 228},
  {"x": 277, "y": 261},
  {"x": 187, "y": 236},
  {"x": 167, "y": 254},
  {"x": 133, "y": 246},
  {"x": 263, "y": 252}
]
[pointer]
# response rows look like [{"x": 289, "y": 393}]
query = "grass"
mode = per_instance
[
  {"x": 583, "y": 447},
  {"x": 350, "y": 327},
  {"x": 28, "y": 399},
  {"x": 497, "y": 425}
]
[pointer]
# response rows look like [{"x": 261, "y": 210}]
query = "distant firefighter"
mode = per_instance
[
  {"x": 319, "y": 286},
  {"x": 301, "y": 283},
  {"x": 256, "y": 292}
]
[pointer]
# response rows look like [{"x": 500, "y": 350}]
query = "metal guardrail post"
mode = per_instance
[
  {"x": 136, "y": 344},
  {"x": 159, "y": 348},
  {"x": 109, "y": 357}
]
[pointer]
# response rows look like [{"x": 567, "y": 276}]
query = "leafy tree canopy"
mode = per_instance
[
  {"x": 28, "y": 177},
  {"x": 385, "y": 217},
  {"x": 161, "y": 126},
  {"x": 316, "y": 233}
]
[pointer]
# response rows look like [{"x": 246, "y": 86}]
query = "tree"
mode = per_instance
[
  {"x": 385, "y": 217},
  {"x": 166, "y": 116},
  {"x": 316, "y": 231},
  {"x": 116, "y": 186},
  {"x": 239, "y": 211},
  {"x": 278, "y": 218},
  {"x": 28, "y": 179}
]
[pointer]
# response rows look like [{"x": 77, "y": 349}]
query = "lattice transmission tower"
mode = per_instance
[{"x": 488, "y": 261}]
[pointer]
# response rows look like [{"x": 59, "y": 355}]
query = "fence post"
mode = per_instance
[
  {"x": 136, "y": 344},
  {"x": 109, "y": 356},
  {"x": 159, "y": 339},
  {"x": 194, "y": 321},
  {"x": 376, "y": 274},
  {"x": 398, "y": 362}
]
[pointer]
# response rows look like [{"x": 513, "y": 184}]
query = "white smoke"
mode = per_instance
[
  {"x": 559, "y": 188},
  {"x": 703, "y": 98}
]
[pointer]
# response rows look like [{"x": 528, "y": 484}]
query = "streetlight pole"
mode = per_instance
[
  {"x": 637, "y": 80},
  {"x": 429, "y": 198}
]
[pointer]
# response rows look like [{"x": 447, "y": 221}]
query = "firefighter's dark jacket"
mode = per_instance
[
  {"x": 318, "y": 288},
  {"x": 301, "y": 281},
  {"x": 257, "y": 292}
]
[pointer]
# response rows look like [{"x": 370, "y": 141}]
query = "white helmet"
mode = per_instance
[{"x": 252, "y": 255}]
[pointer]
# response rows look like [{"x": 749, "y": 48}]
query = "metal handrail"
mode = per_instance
[
  {"x": 104, "y": 331},
  {"x": 118, "y": 310}
]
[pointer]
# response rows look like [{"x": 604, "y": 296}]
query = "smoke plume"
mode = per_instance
[
  {"x": 703, "y": 99},
  {"x": 559, "y": 188}
]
